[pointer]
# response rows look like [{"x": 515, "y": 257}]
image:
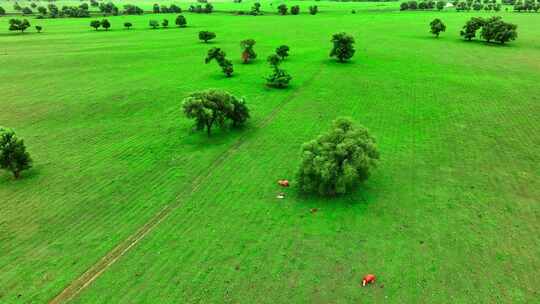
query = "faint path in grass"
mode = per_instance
[{"x": 90, "y": 275}]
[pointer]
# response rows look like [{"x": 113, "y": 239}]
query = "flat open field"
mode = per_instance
[{"x": 450, "y": 215}]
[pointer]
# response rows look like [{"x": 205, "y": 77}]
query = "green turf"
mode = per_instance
[{"x": 450, "y": 215}]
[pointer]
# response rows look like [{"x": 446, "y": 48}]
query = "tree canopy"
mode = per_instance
[
  {"x": 343, "y": 46},
  {"x": 338, "y": 160},
  {"x": 13, "y": 155}
]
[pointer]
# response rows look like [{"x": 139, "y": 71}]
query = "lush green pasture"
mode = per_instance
[{"x": 450, "y": 215}]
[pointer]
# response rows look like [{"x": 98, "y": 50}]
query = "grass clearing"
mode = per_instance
[{"x": 450, "y": 214}]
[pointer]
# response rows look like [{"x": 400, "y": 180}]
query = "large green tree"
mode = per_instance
[
  {"x": 13, "y": 155},
  {"x": 215, "y": 107},
  {"x": 337, "y": 161},
  {"x": 18, "y": 25},
  {"x": 343, "y": 46},
  {"x": 437, "y": 26},
  {"x": 248, "y": 53}
]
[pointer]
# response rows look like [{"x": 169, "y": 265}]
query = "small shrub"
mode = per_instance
[{"x": 206, "y": 36}]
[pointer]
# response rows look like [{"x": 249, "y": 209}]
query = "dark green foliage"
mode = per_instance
[
  {"x": 108, "y": 8},
  {"x": 208, "y": 8},
  {"x": 282, "y": 51},
  {"x": 279, "y": 77},
  {"x": 338, "y": 160},
  {"x": 440, "y": 5},
  {"x": 181, "y": 21},
  {"x": 256, "y": 9},
  {"x": 282, "y": 9},
  {"x": 153, "y": 24},
  {"x": 313, "y": 10},
  {"x": 39, "y": 28},
  {"x": 497, "y": 30},
  {"x": 175, "y": 9},
  {"x": 17, "y": 7},
  {"x": 469, "y": 29},
  {"x": 295, "y": 10},
  {"x": 212, "y": 107},
  {"x": 206, "y": 36},
  {"x": 18, "y": 25},
  {"x": 477, "y": 6},
  {"x": 218, "y": 55},
  {"x": 403, "y": 6},
  {"x": 42, "y": 10},
  {"x": 105, "y": 24},
  {"x": 128, "y": 25},
  {"x": 132, "y": 10},
  {"x": 27, "y": 11},
  {"x": 13, "y": 155},
  {"x": 95, "y": 24},
  {"x": 74, "y": 12},
  {"x": 53, "y": 10},
  {"x": 437, "y": 26},
  {"x": 2, "y": 11},
  {"x": 248, "y": 53},
  {"x": 165, "y": 23},
  {"x": 343, "y": 47},
  {"x": 412, "y": 5},
  {"x": 156, "y": 9}
]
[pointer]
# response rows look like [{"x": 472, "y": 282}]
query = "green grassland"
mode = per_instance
[{"x": 450, "y": 215}]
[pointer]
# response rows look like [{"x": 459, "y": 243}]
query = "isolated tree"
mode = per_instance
[
  {"x": 404, "y": 6},
  {"x": 248, "y": 53},
  {"x": 220, "y": 57},
  {"x": 256, "y": 9},
  {"x": 105, "y": 24},
  {"x": 279, "y": 77},
  {"x": 469, "y": 29},
  {"x": 39, "y": 28},
  {"x": 2, "y": 11},
  {"x": 128, "y": 25},
  {"x": 156, "y": 9},
  {"x": 282, "y": 51},
  {"x": 215, "y": 107},
  {"x": 42, "y": 10},
  {"x": 337, "y": 161},
  {"x": 153, "y": 24},
  {"x": 206, "y": 36},
  {"x": 437, "y": 26},
  {"x": 282, "y": 9},
  {"x": 440, "y": 5},
  {"x": 27, "y": 11},
  {"x": 18, "y": 25},
  {"x": 13, "y": 155},
  {"x": 165, "y": 23},
  {"x": 343, "y": 48},
  {"x": 181, "y": 21},
  {"x": 313, "y": 10},
  {"x": 494, "y": 29},
  {"x": 95, "y": 24},
  {"x": 295, "y": 10}
]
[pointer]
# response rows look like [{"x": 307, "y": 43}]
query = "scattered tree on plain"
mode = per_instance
[
  {"x": 219, "y": 56},
  {"x": 282, "y": 51},
  {"x": 2, "y": 11},
  {"x": 279, "y": 77},
  {"x": 181, "y": 21},
  {"x": 313, "y": 10},
  {"x": 206, "y": 36},
  {"x": 256, "y": 9},
  {"x": 215, "y": 107},
  {"x": 248, "y": 53},
  {"x": 337, "y": 161},
  {"x": 494, "y": 29},
  {"x": 165, "y": 23},
  {"x": 105, "y": 24},
  {"x": 18, "y": 25},
  {"x": 128, "y": 25},
  {"x": 295, "y": 10},
  {"x": 39, "y": 28},
  {"x": 95, "y": 24},
  {"x": 437, "y": 26},
  {"x": 469, "y": 29},
  {"x": 343, "y": 46},
  {"x": 27, "y": 11},
  {"x": 13, "y": 155},
  {"x": 282, "y": 9},
  {"x": 153, "y": 24}
]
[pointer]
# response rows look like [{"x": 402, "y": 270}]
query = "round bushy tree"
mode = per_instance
[
  {"x": 105, "y": 24},
  {"x": 95, "y": 24},
  {"x": 215, "y": 107},
  {"x": 313, "y": 10},
  {"x": 437, "y": 26},
  {"x": 469, "y": 29},
  {"x": 18, "y": 25},
  {"x": 181, "y": 21},
  {"x": 165, "y": 23},
  {"x": 494, "y": 29},
  {"x": 206, "y": 36},
  {"x": 338, "y": 160},
  {"x": 128, "y": 25},
  {"x": 343, "y": 47},
  {"x": 2, "y": 11},
  {"x": 282, "y": 9},
  {"x": 295, "y": 10},
  {"x": 13, "y": 155},
  {"x": 153, "y": 24},
  {"x": 39, "y": 28}
]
